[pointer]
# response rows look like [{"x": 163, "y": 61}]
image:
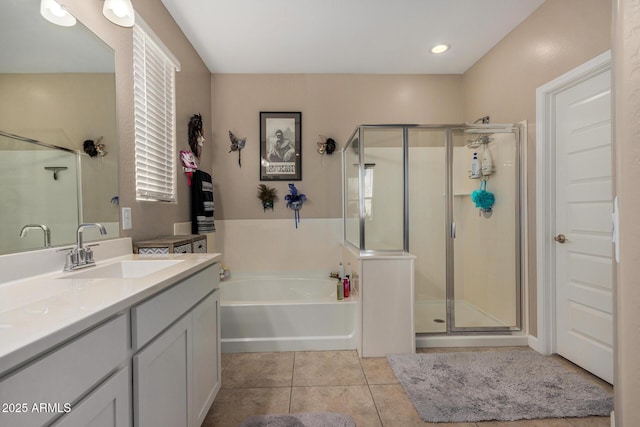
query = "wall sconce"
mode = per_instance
[
  {"x": 120, "y": 12},
  {"x": 56, "y": 13}
]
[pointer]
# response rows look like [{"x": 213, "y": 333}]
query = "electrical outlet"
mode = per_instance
[{"x": 126, "y": 219}]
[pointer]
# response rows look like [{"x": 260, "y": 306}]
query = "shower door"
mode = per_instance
[
  {"x": 484, "y": 293},
  {"x": 467, "y": 269}
]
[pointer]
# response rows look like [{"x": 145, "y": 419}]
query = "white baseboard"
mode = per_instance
[{"x": 535, "y": 344}]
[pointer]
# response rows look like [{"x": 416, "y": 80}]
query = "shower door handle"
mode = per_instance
[{"x": 453, "y": 230}]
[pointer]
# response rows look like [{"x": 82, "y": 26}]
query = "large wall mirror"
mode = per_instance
[{"x": 57, "y": 90}]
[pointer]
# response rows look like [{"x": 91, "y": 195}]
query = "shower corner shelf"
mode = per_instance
[{"x": 478, "y": 142}]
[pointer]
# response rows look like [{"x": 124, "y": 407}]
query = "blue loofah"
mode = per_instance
[{"x": 482, "y": 198}]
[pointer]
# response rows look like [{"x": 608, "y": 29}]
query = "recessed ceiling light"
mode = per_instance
[{"x": 441, "y": 48}]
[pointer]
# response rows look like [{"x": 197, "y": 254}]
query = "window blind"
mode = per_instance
[{"x": 154, "y": 105}]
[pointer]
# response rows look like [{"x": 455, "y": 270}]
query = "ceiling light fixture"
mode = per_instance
[
  {"x": 120, "y": 12},
  {"x": 56, "y": 13},
  {"x": 441, "y": 48}
]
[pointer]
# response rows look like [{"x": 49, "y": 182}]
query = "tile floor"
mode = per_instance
[{"x": 336, "y": 381}]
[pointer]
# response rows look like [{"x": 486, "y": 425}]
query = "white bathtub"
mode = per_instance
[{"x": 265, "y": 313}]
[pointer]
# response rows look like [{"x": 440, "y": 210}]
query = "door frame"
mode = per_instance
[{"x": 545, "y": 342}]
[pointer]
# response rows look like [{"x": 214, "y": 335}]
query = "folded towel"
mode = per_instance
[
  {"x": 202, "y": 204},
  {"x": 308, "y": 419}
]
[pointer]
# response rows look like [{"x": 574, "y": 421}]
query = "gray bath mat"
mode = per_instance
[
  {"x": 496, "y": 385},
  {"x": 310, "y": 419}
]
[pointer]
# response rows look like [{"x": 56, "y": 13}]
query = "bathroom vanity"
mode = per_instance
[{"x": 132, "y": 341}]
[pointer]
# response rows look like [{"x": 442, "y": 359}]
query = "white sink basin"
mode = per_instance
[{"x": 123, "y": 269}]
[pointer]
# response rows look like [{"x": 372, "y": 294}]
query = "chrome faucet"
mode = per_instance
[
  {"x": 81, "y": 256},
  {"x": 45, "y": 230}
]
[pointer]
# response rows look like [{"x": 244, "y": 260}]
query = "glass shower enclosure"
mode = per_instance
[{"x": 413, "y": 189}]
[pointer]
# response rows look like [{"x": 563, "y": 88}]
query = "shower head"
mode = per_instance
[{"x": 484, "y": 120}]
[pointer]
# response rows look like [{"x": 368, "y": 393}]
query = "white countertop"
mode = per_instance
[{"x": 41, "y": 312}]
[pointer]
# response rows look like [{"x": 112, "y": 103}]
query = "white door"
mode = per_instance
[{"x": 584, "y": 270}]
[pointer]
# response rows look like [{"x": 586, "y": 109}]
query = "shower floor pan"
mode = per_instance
[{"x": 431, "y": 316}]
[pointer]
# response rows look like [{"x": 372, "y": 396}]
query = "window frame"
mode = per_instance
[{"x": 154, "y": 75}]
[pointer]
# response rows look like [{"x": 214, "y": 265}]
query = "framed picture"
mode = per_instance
[{"x": 280, "y": 146}]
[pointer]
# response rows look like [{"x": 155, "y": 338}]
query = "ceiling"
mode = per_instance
[{"x": 345, "y": 36}]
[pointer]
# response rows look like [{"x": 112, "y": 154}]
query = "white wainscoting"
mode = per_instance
[{"x": 269, "y": 245}]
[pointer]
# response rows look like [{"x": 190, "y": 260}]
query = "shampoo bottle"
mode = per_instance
[
  {"x": 475, "y": 167},
  {"x": 340, "y": 289},
  {"x": 487, "y": 162},
  {"x": 346, "y": 287},
  {"x": 340, "y": 271}
]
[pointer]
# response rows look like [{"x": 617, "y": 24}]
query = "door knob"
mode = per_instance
[{"x": 560, "y": 238}]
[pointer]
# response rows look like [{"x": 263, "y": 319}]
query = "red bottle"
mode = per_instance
[{"x": 347, "y": 287}]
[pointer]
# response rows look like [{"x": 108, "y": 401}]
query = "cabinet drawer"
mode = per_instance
[
  {"x": 108, "y": 405},
  {"x": 182, "y": 249},
  {"x": 64, "y": 375},
  {"x": 200, "y": 246},
  {"x": 156, "y": 314},
  {"x": 163, "y": 250}
]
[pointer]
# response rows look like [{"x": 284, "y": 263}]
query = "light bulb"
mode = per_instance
[
  {"x": 120, "y": 12},
  {"x": 56, "y": 13},
  {"x": 441, "y": 48},
  {"x": 119, "y": 9},
  {"x": 57, "y": 9}
]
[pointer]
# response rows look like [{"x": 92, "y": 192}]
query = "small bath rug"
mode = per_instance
[
  {"x": 306, "y": 419},
  {"x": 496, "y": 385}
]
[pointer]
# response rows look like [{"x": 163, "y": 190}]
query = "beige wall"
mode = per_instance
[
  {"x": 558, "y": 36},
  {"x": 626, "y": 81},
  {"x": 331, "y": 105},
  {"x": 193, "y": 96}
]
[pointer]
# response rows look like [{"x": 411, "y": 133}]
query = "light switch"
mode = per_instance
[{"x": 126, "y": 219}]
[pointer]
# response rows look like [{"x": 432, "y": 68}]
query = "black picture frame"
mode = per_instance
[{"x": 280, "y": 146}]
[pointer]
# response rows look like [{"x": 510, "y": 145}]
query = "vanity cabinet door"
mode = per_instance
[
  {"x": 206, "y": 355},
  {"x": 107, "y": 406},
  {"x": 162, "y": 378},
  {"x": 46, "y": 388}
]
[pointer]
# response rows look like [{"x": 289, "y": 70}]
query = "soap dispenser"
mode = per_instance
[
  {"x": 476, "y": 171},
  {"x": 487, "y": 162}
]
